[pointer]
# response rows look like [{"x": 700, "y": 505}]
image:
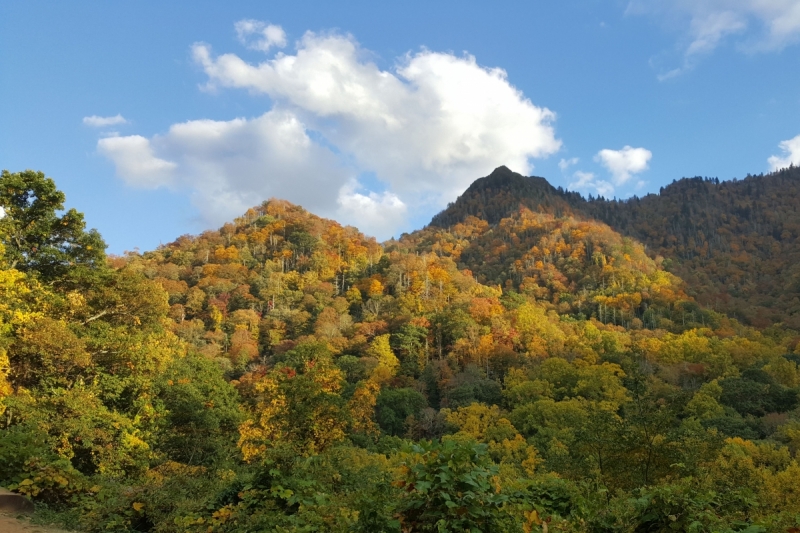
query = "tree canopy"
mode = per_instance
[
  {"x": 41, "y": 238},
  {"x": 286, "y": 373}
]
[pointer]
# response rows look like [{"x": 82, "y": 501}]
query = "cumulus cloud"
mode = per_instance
[
  {"x": 257, "y": 35},
  {"x": 101, "y": 122},
  {"x": 435, "y": 122},
  {"x": 587, "y": 183},
  {"x": 623, "y": 164},
  {"x": 760, "y": 25},
  {"x": 382, "y": 213},
  {"x": 231, "y": 165},
  {"x": 426, "y": 128},
  {"x": 136, "y": 162},
  {"x": 791, "y": 154}
]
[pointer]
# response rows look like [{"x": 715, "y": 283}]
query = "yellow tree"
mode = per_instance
[
  {"x": 298, "y": 404},
  {"x": 489, "y": 425},
  {"x": 387, "y": 362},
  {"x": 365, "y": 397}
]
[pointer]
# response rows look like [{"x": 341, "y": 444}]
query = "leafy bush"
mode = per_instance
[{"x": 450, "y": 486}]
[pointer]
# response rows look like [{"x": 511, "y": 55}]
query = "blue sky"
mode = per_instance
[{"x": 378, "y": 114}]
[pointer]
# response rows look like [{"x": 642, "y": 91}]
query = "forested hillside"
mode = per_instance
[
  {"x": 285, "y": 373},
  {"x": 734, "y": 243}
]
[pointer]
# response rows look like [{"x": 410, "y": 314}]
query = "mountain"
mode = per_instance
[
  {"x": 735, "y": 243},
  {"x": 582, "y": 268},
  {"x": 501, "y": 194},
  {"x": 534, "y": 369}
]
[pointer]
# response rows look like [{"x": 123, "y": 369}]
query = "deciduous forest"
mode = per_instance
[
  {"x": 531, "y": 361},
  {"x": 735, "y": 242}
]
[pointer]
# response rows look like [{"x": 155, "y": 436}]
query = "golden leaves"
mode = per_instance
[
  {"x": 387, "y": 362},
  {"x": 362, "y": 407}
]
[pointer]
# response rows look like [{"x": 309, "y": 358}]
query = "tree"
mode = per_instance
[
  {"x": 452, "y": 486},
  {"x": 387, "y": 362},
  {"x": 394, "y": 406},
  {"x": 202, "y": 412},
  {"x": 298, "y": 403},
  {"x": 36, "y": 238}
]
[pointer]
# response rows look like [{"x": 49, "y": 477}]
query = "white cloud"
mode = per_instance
[
  {"x": 426, "y": 129},
  {"x": 791, "y": 154},
  {"x": 267, "y": 35},
  {"x": 624, "y": 163},
  {"x": 101, "y": 122},
  {"x": 761, "y": 25},
  {"x": 231, "y": 165},
  {"x": 564, "y": 164},
  {"x": 136, "y": 162},
  {"x": 710, "y": 28},
  {"x": 587, "y": 182},
  {"x": 382, "y": 213},
  {"x": 435, "y": 122}
]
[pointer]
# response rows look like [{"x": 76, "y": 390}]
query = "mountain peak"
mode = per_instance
[
  {"x": 499, "y": 194},
  {"x": 501, "y": 170}
]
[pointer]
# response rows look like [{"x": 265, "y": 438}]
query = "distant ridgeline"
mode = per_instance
[{"x": 734, "y": 243}]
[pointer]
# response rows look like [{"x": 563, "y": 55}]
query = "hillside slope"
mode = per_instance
[
  {"x": 286, "y": 373},
  {"x": 735, "y": 243}
]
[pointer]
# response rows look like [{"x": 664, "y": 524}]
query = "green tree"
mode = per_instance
[
  {"x": 451, "y": 486},
  {"x": 38, "y": 239},
  {"x": 395, "y": 405},
  {"x": 200, "y": 426}
]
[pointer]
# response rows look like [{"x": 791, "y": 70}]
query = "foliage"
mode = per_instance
[
  {"x": 733, "y": 242},
  {"x": 450, "y": 487},
  {"x": 530, "y": 370},
  {"x": 394, "y": 406},
  {"x": 35, "y": 237},
  {"x": 202, "y": 413}
]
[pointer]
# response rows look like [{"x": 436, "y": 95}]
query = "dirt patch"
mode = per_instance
[{"x": 12, "y": 524}]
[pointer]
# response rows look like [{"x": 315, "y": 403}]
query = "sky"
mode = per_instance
[{"x": 159, "y": 119}]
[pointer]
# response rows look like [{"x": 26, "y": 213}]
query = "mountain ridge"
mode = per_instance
[
  {"x": 287, "y": 373},
  {"x": 734, "y": 242}
]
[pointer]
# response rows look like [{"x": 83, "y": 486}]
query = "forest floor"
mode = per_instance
[{"x": 11, "y": 524}]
